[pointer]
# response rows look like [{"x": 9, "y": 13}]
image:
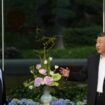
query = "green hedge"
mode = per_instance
[
  {"x": 22, "y": 40},
  {"x": 82, "y": 52},
  {"x": 74, "y": 37}
]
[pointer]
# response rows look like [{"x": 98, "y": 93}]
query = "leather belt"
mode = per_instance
[{"x": 99, "y": 94}]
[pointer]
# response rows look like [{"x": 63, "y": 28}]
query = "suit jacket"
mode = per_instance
[
  {"x": 3, "y": 92},
  {"x": 89, "y": 72}
]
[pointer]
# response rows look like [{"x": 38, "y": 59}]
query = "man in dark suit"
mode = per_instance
[
  {"x": 94, "y": 72},
  {"x": 2, "y": 89}
]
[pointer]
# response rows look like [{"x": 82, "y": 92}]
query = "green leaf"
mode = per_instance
[
  {"x": 56, "y": 76},
  {"x": 55, "y": 84}
]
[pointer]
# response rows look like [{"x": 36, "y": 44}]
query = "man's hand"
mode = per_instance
[{"x": 65, "y": 71}]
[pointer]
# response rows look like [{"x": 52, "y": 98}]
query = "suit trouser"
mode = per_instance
[{"x": 100, "y": 99}]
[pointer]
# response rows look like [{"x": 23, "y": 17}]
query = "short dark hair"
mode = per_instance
[{"x": 101, "y": 34}]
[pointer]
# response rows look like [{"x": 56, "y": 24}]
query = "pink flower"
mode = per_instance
[
  {"x": 38, "y": 81},
  {"x": 38, "y": 66},
  {"x": 48, "y": 80},
  {"x": 42, "y": 71}
]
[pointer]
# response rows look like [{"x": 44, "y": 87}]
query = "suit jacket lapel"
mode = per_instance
[{"x": 96, "y": 67}]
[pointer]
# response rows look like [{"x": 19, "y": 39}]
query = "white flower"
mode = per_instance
[
  {"x": 56, "y": 66},
  {"x": 31, "y": 87},
  {"x": 50, "y": 58},
  {"x": 38, "y": 66},
  {"x": 80, "y": 103},
  {"x": 45, "y": 62},
  {"x": 31, "y": 71},
  {"x": 51, "y": 72}
]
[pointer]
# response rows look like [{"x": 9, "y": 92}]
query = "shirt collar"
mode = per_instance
[{"x": 102, "y": 57}]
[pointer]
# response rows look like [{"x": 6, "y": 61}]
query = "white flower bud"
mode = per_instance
[
  {"x": 56, "y": 66},
  {"x": 51, "y": 72},
  {"x": 45, "y": 62},
  {"x": 31, "y": 71},
  {"x": 31, "y": 87},
  {"x": 50, "y": 58}
]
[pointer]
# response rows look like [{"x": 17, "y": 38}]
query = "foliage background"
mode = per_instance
[{"x": 34, "y": 19}]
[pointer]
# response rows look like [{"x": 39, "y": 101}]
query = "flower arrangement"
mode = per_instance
[{"x": 44, "y": 74}]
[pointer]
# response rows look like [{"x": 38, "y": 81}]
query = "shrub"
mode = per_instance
[
  {"x": 80, "y": 36},
  {"x": 67, "y": 53},
  {"x": 68, "y": 90},
  {"x": 11, "y": 52}
]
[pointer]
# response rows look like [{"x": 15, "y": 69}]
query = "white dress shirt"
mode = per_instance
[{"x": 101, "y": 75}]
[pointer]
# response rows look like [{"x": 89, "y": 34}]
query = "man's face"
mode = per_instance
[{"x": 100, "y": 45}]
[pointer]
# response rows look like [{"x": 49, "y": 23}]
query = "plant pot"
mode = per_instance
[{"x": 46, "y": 98}]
